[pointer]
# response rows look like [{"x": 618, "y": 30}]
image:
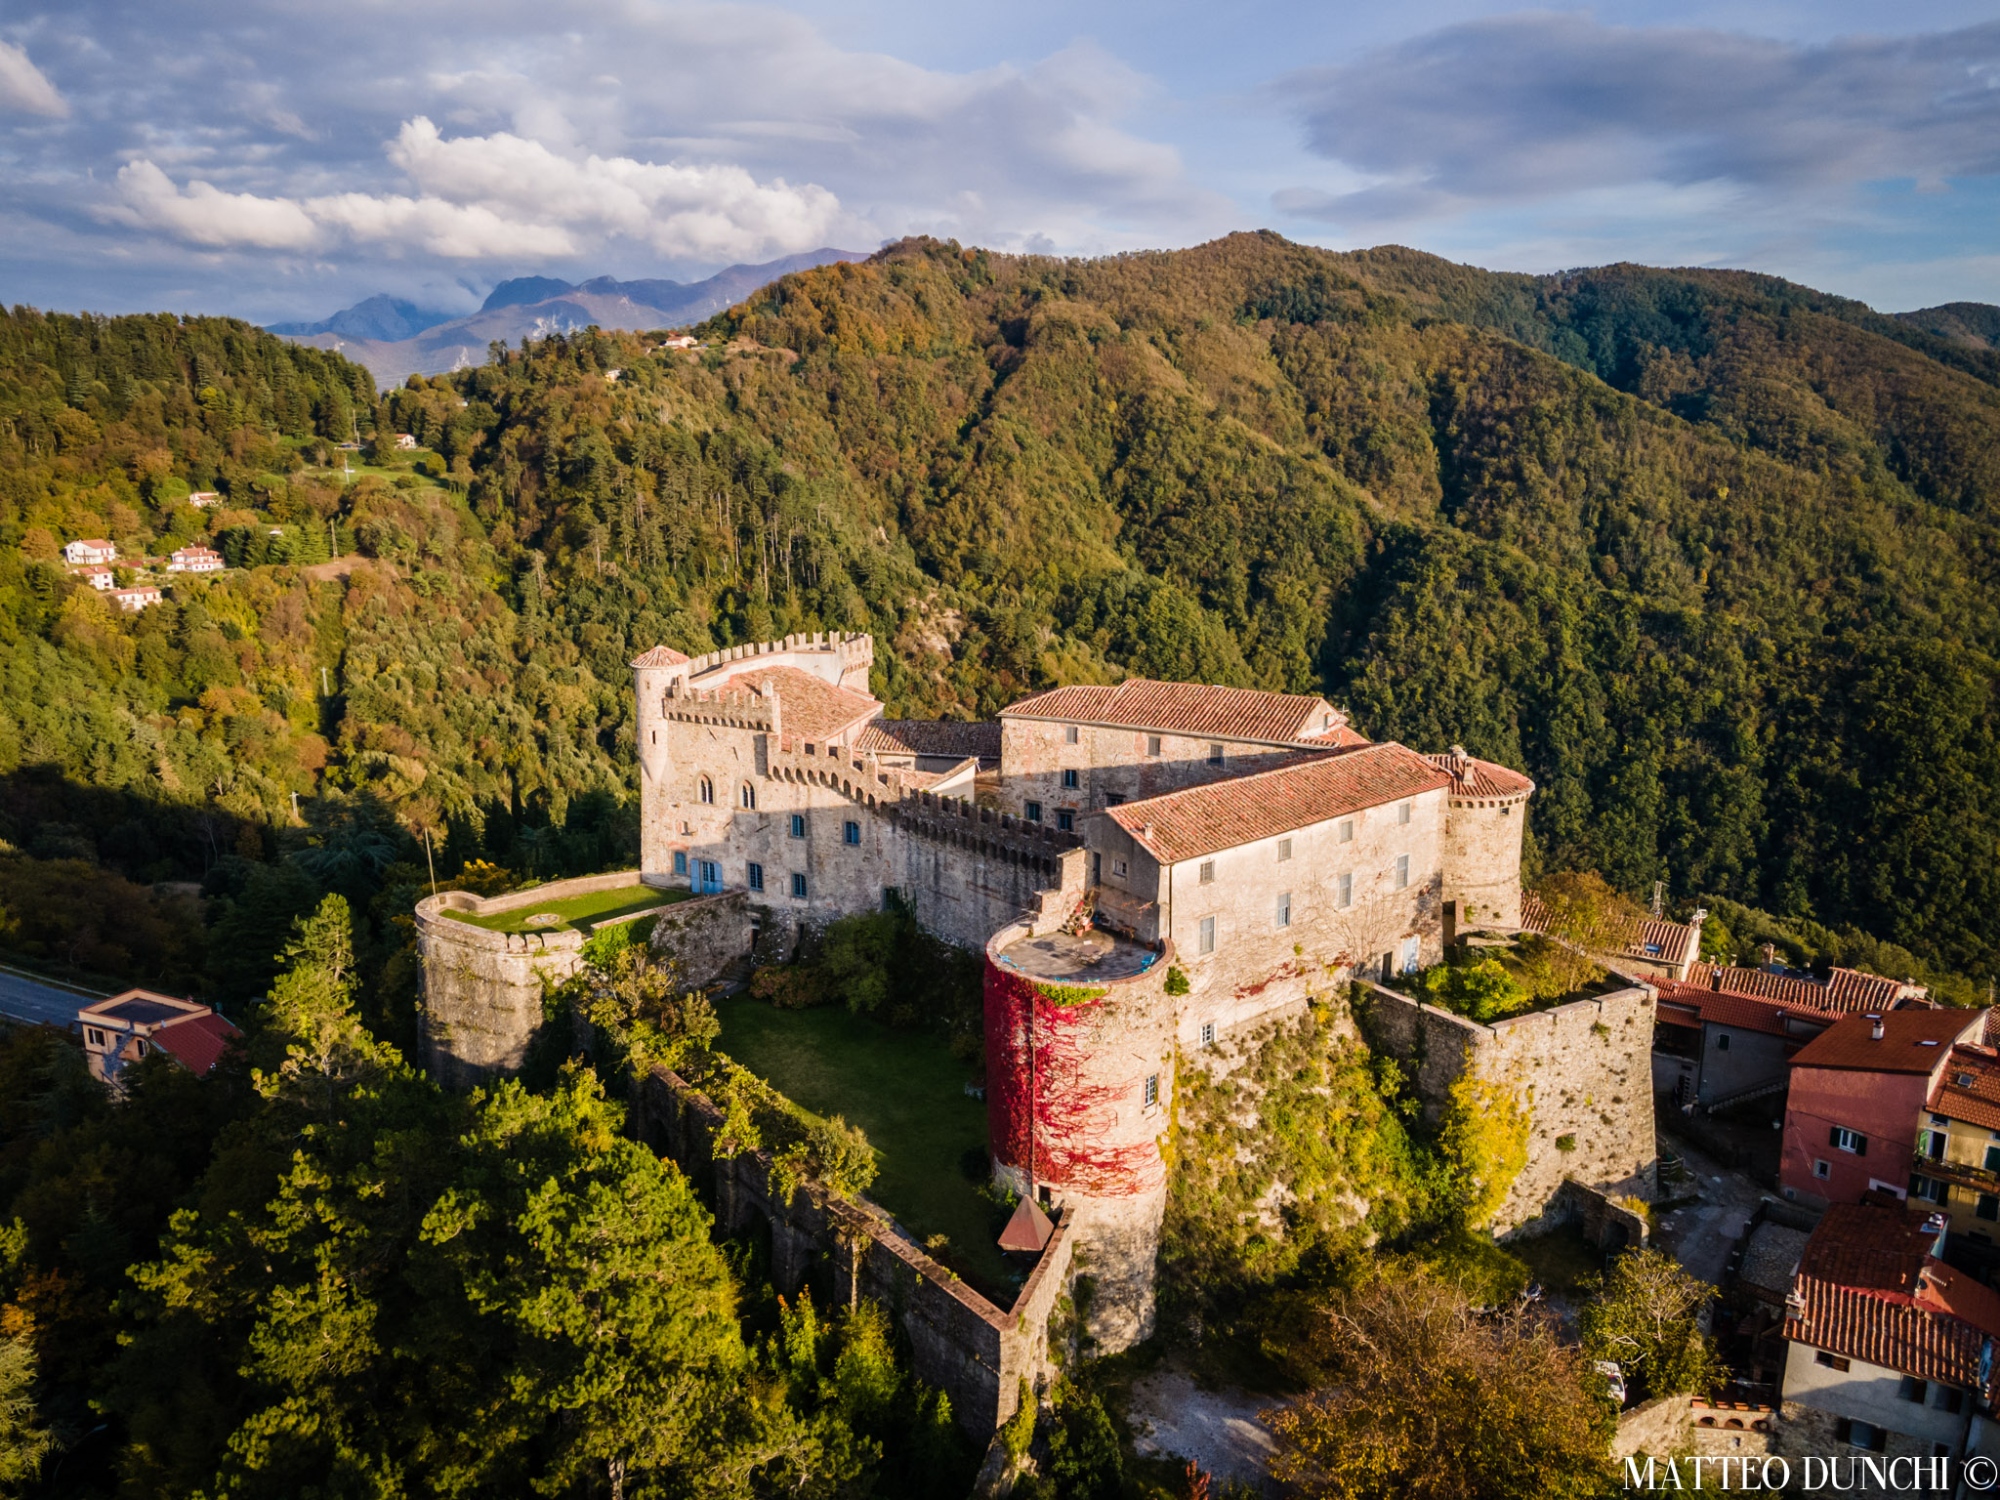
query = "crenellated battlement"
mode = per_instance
[
  {"x": 734, "y": 709},
  {"x": 849, "y": 651}
]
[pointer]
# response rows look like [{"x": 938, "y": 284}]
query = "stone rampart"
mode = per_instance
[
  {"x": 1584, "y": 1068},
  {"x": 847, "y": 1249},
  {"x": 483, "y": 990}
]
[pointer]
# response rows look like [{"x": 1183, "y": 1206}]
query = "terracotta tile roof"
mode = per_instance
[
  {"x": 1223, "y": 814},
  {"x": 927, "y": 737},
  {"x": 197, "y": 1043},
  {"x": 1190, "y": 708},
  {"x": 1480, "y": 780},
  {"x": 1913, "y": 1041},
  {"x": 660, "y": 656},
  {"x": 1648, "y": 938},
  {"x": 1842, "y": 990},
  {"x": 1742, "y": 1012},
  {"x": 1869, "y": 1288},
  {"x": 809, "y": 707},
  {"x": 1969, "y": 1089}
]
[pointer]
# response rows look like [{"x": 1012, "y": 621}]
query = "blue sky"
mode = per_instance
[{"x": 280, "y": 158}]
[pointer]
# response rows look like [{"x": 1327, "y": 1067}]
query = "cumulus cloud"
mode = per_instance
[
  {"x": 498, "y": 196},
  {"x": 24, "y": 88},
  {"x": 1535, "y": 105}
]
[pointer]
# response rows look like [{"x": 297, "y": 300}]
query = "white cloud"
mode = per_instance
[
  {"x": 499, "y": 196},
  {"x": 24, "y": 87}
]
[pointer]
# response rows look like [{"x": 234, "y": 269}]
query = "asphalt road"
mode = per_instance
[{"x": 24, "y": 999}]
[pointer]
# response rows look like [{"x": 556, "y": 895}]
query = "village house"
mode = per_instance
[
  {"x": 195, "y": 560},
  {"x": 1857, "y": 1091},
  {"x": 405, "y": 443},
  {"x": 89, "y": 550},
  {"x": 133, "y": 600},
  {"x": 1957, "y": 1165},
  {"x": 1646, "y": 948},
  {"x": 203, "y": 499},
  {"x": 120, "y": 1031},
  {"x": 1889, "y": 1350},
  {"x": 1726, "y": 1036},
  {"x": 100, "y": 578}
]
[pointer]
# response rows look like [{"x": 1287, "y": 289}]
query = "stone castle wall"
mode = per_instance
[
  {"x": 482, "y": 991},
  {"x": 1109, "y": 762},
  {"x": 846, "y": 1249},
  {"x": 1585, "y": 1068}
]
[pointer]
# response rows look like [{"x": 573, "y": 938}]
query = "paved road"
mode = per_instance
[
  {"x": 25, "y": 999},
  {"x": 1701, "y": 1235}
]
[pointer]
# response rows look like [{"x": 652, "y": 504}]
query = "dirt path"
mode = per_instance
[{"x": 1223, "y": 1431}]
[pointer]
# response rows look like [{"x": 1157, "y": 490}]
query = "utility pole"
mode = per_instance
[
  {"x": 429, "y": 861},
  {"x": 1659, "y": 896},
  {"x": 325, "y": 684},
  {"x": 333, "y": 537}
]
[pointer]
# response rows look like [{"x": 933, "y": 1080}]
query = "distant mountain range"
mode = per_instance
[{"x": 396, "y": 339}]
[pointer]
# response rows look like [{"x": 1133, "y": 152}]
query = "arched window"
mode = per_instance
[
  {"x": 707, "y": 790},
  {"x": 749, "y": 795}
]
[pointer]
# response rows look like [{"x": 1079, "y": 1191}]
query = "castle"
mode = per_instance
[{"x": 1148, "y": 868}]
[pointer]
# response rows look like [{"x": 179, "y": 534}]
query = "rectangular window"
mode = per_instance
[
  {"x": 1071, "y": 781},
  {"x": 1285, "y": 909},
  {"x": 756, "y": 877},
  {"x": 1912, "y": 1390},
  {"x": 1152, "y": 1089},
  {"x": 1284, "y": 850},
  {"x": 1993, "y": 1158},
  {"x": 1853, "y": 1142},
  {"x": 1402, "y": 812},
  {"x": 680, "y": 861},
  {"x": 1864, "y": 1435},
  {"x": 1988, "y": 1207},
  {"x": 1345, "y": 887},
  {"x": 1949, "y": 1400},
  {"x": 1206, "y": 943},
  {"x": 1347, "y": 830},
  {"x": 1822, "y": 1169},
  {"x": 1208, "y": 872},
  {"x": 1032, "y": 812},
  {"x": 94, "y": 1036},
  {"x": 850, "y": 832},
  {"x": 1069, "y": 734},
  {"x": 1930, "y": 1189},
  {"x": 1831, "y": 1361},
  {"x": 1117, "y": 867},
  {"x": 1215, "y": 752},
  {"x": 1208, "y": 1033},
  {"x": 1114, "y": 799},
  {"x": 799, "y": 887},
  {"x": 1065, "y": 820},
  {"x": 798, "y": 825},
  {"x": 1152, "y": 744},
  {"x": 1402, "y": 871},
  {"x": 1411, "y": 952},
  {"x": 1722, "y": 1041},
  {"x": 1939, "y": 1120}
]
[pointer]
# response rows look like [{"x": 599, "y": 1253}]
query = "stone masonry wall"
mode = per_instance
[
  {"x": 1584, "y": 1067},
  {"x": 1110, "y": 763},
  {"x": 977, "y": 1353},
  {"x": 1482, "y": 861},
  {"x": 482, "y": 991}
]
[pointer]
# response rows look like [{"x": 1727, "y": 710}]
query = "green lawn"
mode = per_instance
[
  {"x": 906, "y": 1090},
  {"x": 578, "y": 913}
]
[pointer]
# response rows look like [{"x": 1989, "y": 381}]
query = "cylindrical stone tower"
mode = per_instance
[
  {"x": 1079, "y": 1097},
  {"x": 1484, "y": 821}
]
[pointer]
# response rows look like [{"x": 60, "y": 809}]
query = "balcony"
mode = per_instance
[{"x": 1958, "y": 1173}]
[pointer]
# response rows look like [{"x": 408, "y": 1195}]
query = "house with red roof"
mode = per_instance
[
  {"x": 120, "y": 1031},
  {"x": 1857, "y": 1090},
  {"x": 1889, "y": 1350},
  {"x": 89, "y": 551},
  {"x": 1726, "y": 1036}
]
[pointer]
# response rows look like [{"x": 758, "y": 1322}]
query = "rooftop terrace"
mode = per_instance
[
  {"x": 573, "y": 913},
  {"x": 1091, "y": 956}
]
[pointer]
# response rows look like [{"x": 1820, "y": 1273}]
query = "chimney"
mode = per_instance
[{"x": 1875, "y": 1028}]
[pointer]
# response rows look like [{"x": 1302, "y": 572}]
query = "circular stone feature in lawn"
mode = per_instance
[{"x": 543, "y": 919}]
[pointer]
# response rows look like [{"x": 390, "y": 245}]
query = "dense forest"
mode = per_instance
[{"x": 1709, "y": 554}]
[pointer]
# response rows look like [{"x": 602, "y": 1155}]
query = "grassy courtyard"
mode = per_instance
[
  {"x": 906, "y": 1090},
  {"x": 574, "y": 913}
]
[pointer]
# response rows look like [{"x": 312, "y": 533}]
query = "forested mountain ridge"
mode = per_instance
[{"x": 1711, "y": 556}]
